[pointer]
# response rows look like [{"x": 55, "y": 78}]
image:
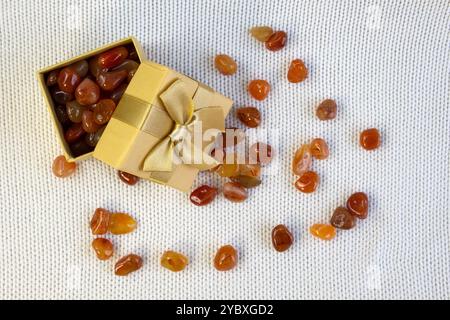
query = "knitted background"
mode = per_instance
[{"x": 386, "y": 63}]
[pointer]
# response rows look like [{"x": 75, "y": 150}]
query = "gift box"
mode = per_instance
[{"x": 162, "y": 128}]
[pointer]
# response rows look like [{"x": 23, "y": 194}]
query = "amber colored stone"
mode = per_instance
[
  {"x": 307, "y": 182},
  {"x": 247, "y": 181},
  {"x": 87, "y": 93},
  {"x": 370, "y": 139},
  {"x": 249, "y": 175},
  {"x": 121, "y": 223},
  {"x": 302, "y": 160},
  {"x": 326, "y": 110},
  {"x": 94, "y": 67},
  {"x": 358, "y": 205},
  {"x": 88, "y": 122},
  {"x": 203, "y": 195},
  {"x": 259, "y": 89},
  {"x": 75, "y": 111},
  {"x": 61, "y": 114},
  {"x": 249, "y": 116},
  {"x": 112, "y": 58},
  {"x": 60, "y": 96},
  {"x": 81, "y": 67},
  {"x": 128, "y": 264},
  {"x": 103, "y": 248},
  {"x": 234, "y": 192},
  {"x": 282, "y": 239},
  {"x": 277, "y": 41},
  {"x": 62, "y": 168},
  {"x": 130, "y": 66},
  {"x": 68, "y": 79},
  {"x": 297, "y": 71},
  {"x": 323, "y": 231},
  {"x": 80, "y": 147},
  {"x": 104, "y": 110},
  {"x": 261, "y": 33},
  {"x": 226, "y": 258},
  {"x": 74, "y": 133},
  {"x": 174, "y": 261},
  {"x": 93, "y": 138},
  {"x": 100, "y": 221},
  {"x": 227, "y": 169},
  {"x": 260, "y": 153},
  {"x": 117, "y": 94},
  {"x": 319, "y": 149},
  {"x": 132, "y": 53},
  {"x": 225, "y": 64},
  {"x": 342, "y": 219},
  {"x": 128, "y": 178},
  {"x": 109, "y": 81},
  {"x": 52, "y": 78}
]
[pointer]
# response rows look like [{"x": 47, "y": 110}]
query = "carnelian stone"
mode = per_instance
[
  {"x": 87, "y": 93},
  {"x": 60, "y": 96},
  {"x": 128, "y": 264},
  {"x": 323, "y": 231},
  {"x": 326, "y": 110},
  {"x": 88, "y": 122},
  {"x": 52, "y": 78},
  {"x": 74, "y": 133},
  {"x": 75, "y": 111},
  {"x": 93, "y": 138},
  {"x": 297, "y": 71},
  {"x": 234, "y": 192},
  {"x": 117, "y": 94},
  {"x": 225, "y": 64},
  {"x": 61, "y": 114},
  {"x": 109, "y": 81},
  {"x": 100, "y": 221},
  {"x": 319, "y": 149},
  {"x": 342, "y": 219},
  {"x": 358, "y": 205},
  {"x": 261, "y": 33},
  {"x": 68, "y": 80},
  {"x": 308, "y": 182},
  {"x": 276, "y": 41},
  {"x": 226, "y": 258},
  {"x": 103, "y": 111},
  {"x": 249, "y": 116},
  {"x": 103, "y": 248},
  {"x": 121, "y": 223},
  {"x": 174, "y": 261},
  {"x": 112, "y": 58},
  {"x": 259, "y": 89},
  {"x": 130, "y": 66},
  {"x": 80, "y": 147},
  {"x": 203, "y": 195},
  {"x": 62, "y": 168},
  {"x": 370, "y": 139},
  {"x": 282, "y": 238},
  {"x": 302, "y": 160},
  {"x": 128, "y": 178}
]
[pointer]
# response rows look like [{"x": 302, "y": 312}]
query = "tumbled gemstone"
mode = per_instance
[
  {"x": 109, "y": 81},
  {"x": 302, "y": 160},
  {"x": 297, "y": 71},
  {"x": 68, "y": 80},
  {"x": 326, "y": 110},
  {"x": 103, "y": 248},
  {"x": 323, "y": 231},
  {"x": 128, "y": 264},
  {"x": 62, "y": 168},
  {"x": 88, "y": 122},
  {"x": 276, "y": 41},
  {"x": 75, "y": 111},
  {"x": 92, "y": 139},
  {"x": 225, "y": 64},
  {"x": 342, "y": 219},
  {"x": 128, "y": 178},
  {"x": 249, "y": 116},
  {"x": 234, "y": 192},
  {"x": 121, "y": 223},
  {"x": 282, "y": 238},
  {"x": 60, "y": 96},
  {"x": 100, "y": 221},
  {"x": 261, "y": 33},
  {"x": 249, "y": 175},
  {"x": 174, "y": 261},
  {"x": 226, "y": 258},
  {"x": 370, "y": 139},
  {"x": 52, "y": 78},
  {"x": 319, "y": 149},
  {"x": 87, "y": 93},
  {"x": 62, "y": 115},
  {"x": 130, "y": 66},
  {"x": 74, "y": 133},
  {"x": 103, "y": 110},
  {"x": 203, "y": 195},
  {"x": 94, "y": 67},
  {"x": 112, "y": 58},
  {"x": 259, "y": 89},
  {"x": 227, "y": 169},
  {"x": 81, "y": 67},
  {"x": 80, "y": 147},
  {"x": 307, "y": 182},
  {"x": 117, "y": 94},
  {"x": 358, "y": 205}
]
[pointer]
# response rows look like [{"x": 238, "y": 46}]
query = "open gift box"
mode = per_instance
[{"x": 151, "y": 132}]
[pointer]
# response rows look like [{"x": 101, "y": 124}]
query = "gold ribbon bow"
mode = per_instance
[{"x": 184, "y": 142}]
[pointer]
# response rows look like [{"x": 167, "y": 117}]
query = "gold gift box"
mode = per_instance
[{"x": 140, "y": 120}]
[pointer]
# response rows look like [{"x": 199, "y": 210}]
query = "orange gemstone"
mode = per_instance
[
  {"x": 323, "y": 231},
  {"x": 370, "y": 139},
  {"x": 319, "y": 149},
  {"x": 121, "y": 223},
  {"x": 302, "y": 160},
  {"x": 112, "y": 58},
  {"x": 128, "y": 178},
  {"x": 282, "y": 239},
  {"x": 103, "y": 110},
  {"x": 249, "y": 116},
  {"x": 358, "y": 205},
  {"x": 234, "y": 192},
  {"x": 262, "y": 33},
  {"x": 297, "y": 71},
  {"x": 128, "y": 264},
  {"x": 259, "y": 89},
  {"x": 100, "y": 221},
  {"x": 225, "y": 64},
  {"x": 342, "y": 219},
  {"x": 308, "y": 182},
  {"x": 277, "y": 41},
  {"x": 326, "y": 110},
  {"x": 226, "y": 258},
  {"x": 174, "y": 261},
  {"x": 203, "y": 195},
  {"x": 62, "y": 168},
  {"x": 103, "y": 248}
]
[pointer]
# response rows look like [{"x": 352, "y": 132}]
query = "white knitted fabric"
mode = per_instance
[{"x": 386, "y": 63}]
